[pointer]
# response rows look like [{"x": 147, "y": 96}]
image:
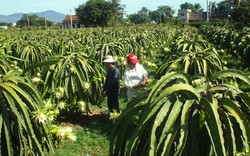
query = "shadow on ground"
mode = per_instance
[{"x": 97, "y": 118}]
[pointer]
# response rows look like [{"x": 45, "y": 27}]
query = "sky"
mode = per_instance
[{"x": 8, "y": 7}]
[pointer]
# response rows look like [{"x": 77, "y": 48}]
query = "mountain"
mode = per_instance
[
  {"x": 13, "y": 18},
  {"x": 52, "y": 16},
  {"x": 49, "y": 15}
]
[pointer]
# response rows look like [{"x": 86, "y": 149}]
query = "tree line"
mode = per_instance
[
  {"x": 33, "y": 20},
  {"x": 99, "y": 13},
  {"x": 102, "y": 13}
]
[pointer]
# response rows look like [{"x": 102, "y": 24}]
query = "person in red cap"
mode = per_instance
[{"x": 135, "y": 76}]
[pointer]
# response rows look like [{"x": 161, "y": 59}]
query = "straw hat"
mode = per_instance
[{"x": 109, "y": 59}]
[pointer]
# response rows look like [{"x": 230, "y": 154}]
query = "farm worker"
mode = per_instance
[
  {"x": 135, "y": 76},
  {"x": 111, "y": 86}
]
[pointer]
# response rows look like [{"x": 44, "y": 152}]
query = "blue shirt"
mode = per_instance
[{"x": 112, "y": 83}]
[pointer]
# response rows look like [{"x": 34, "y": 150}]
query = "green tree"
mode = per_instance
[
  {"x": 117, "y": 11},
  {"x": 33, "y": 20},
  {"x": 95, "y": 13},
  {"x": 166, "y": 12},
  {"x": 5, "y": 24},
  {"x": 212, "y": 7},
  {"x": 162, "y": 14},
  {"x": 241, "y": 13},
  {"x": 154, "y": 16},
  {"x": 194, "y": 7},
  {"x": 142, "y": 16},
  {"x": 136, "y": 18},
  {"x": 24, "y": 21},
  {"x": 223, "y": 6},
  {"x": 239, "y": 10},
  {"x": 44, "y": 22}
]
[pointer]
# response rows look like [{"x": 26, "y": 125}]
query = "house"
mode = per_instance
[
  {"x": 184, "y": 14},
  {"x": 188, "y": 16},
  {"x": 3, "y": 27},
  {"x": 71, "y": 21}
]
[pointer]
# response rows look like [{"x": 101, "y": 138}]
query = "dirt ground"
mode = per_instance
[{"x": 78, "y": 120}]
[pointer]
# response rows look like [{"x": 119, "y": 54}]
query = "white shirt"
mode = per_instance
[{"x": 133, "y": 77}]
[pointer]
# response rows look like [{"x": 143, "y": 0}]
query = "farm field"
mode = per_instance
[
  {"x": 199, "y": 88},
  {"x": 92, "y": 131}
]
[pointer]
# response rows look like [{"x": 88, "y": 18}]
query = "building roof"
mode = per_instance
[{"x": 68, "y": 18}]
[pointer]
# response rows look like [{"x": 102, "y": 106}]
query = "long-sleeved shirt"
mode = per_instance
[{"x": 112, "y": 83}]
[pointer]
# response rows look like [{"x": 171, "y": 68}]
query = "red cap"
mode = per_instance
[{"x": 132, "y": 59}]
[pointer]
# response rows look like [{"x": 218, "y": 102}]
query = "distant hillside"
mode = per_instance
[
  {"x": 49, "y": 15},
  {"x": 11, "y": 18}
]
